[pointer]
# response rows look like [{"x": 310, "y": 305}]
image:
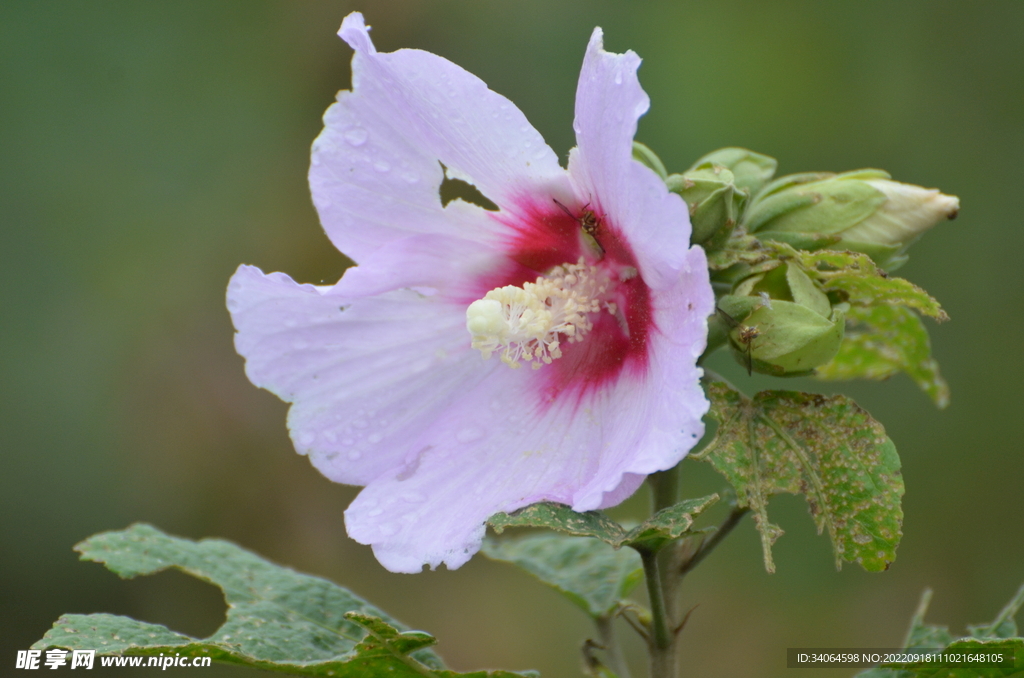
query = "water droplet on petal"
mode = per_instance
[
  {"x": 356, "y": 136},
  {"x": 382, "y": 166},
  {"x": 360, "y": 423},
  {"x": 307, "y": 438},
  {"x": 375, "y": 512},
  {"x": 413, "y": 497},
  {"x": 375, "y": 437},
  {"x": 354, "y": 455},
  {"x": 618, "y": 78},
  {"x": 387, "y": 529}
]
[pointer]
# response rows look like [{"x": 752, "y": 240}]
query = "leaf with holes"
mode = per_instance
[
  {"x": 882, "y": 341},
  {"x": 666, "y": 525},
  {"x": 826, "y": 448},
  {"x": 589, "y": 572},
  {"x": 277, "y": 619},
  {"x": 739, "y": 249},
  {"x": 859, "y": 281}
]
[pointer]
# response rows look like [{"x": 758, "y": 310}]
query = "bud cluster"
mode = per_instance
[{"x": 776, "y": 318}]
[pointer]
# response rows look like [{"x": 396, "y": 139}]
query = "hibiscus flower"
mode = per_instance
[{"x": 403, "y": 376}]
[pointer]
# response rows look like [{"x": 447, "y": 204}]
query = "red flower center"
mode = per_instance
[{"x": 548, "y": 234}]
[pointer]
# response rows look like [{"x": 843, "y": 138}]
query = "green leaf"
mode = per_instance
[
  {"x": 561, "y": 518},
  {"x": 588, "y": 572},
  {"x": 996, "y": 636},
  {"x": 739, "y": 249},
  {"x": 1004, "y": 626},
  {"x": 882, "y": 341},
  {"x": 922, "y": 636},
  {"x": 666, "y": 525},
  {"x": 858, "y": 280},
  {"x": 824, "y": 447},
  {"x": 277, "y": 619}
]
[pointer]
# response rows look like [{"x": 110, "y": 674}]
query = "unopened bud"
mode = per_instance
[
  {"x": 783, "y": 324},
  {"x": 714, "y": 201},
  {"x": 864, "y": 211},
  {"x": 751, "y": 171}
]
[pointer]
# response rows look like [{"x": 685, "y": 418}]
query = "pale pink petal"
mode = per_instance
[
  {"x": 497, "y": 449},
  {"x": 501, "y": 447},
  {"x": 441, "y": 264},
  {"x": 609, "y": 101},
  {"x": 366, "y": 375},
  {"x": 375, "y": 168},
  {"x": 659, "y": 418}
]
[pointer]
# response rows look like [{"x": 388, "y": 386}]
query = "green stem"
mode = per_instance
[
  {"x": 735, "y": 516},
  {"x": 662, "y": 644},
  {"x": 662, "y": 584},
  {"x": 610, "y": 641}
]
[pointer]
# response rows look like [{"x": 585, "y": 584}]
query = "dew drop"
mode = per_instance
[
  {"x": 375, "y": 512},
  {"x": 360, "y": 423},
  {"x": 307, "y": 438},
  {"x": 413, "y": 497},
  {"x": 330, "y": 436},
  {"x": 375, "y": 437},
  {"x": 468, "y": 435},
  {"x": 354, "y": 455},
  {"x": 618, "y": 78},
  {"x": 347, "y": 441},
  {"x": 387, "y": 529},
  {"x": 382, "y": 166},
  {"x": 410, "y": 177},
  {"x": 356, "y": 136},
  {"x": 299, "y": 345}
]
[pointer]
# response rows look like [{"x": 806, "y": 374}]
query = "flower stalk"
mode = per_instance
[{"x": 662, "y": 584}]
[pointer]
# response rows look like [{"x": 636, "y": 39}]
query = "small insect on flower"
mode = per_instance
[
  {"x": 409, "y": 391},
  {"x": 746, "y": 334},
  {"x": 589, "y": 223}
]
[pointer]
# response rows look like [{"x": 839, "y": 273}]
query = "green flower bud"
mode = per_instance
[
  {"x": 714, "y": 201},
  {"x": 864, "y": 211},
  {"x": 751, "y": 171},
  {"x": 783, "y": 324},
  {"x": 645, "y": 155}
]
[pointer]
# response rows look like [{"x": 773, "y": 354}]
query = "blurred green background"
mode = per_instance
[{"x": 146, "y": 149}]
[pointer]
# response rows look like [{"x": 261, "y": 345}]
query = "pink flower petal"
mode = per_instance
[
  {"x": 375, "y": 168},
  {"x": 609, "y": 101},
  {"x": 366, "y": 375},
  {"x": 499, "y": 450}
]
